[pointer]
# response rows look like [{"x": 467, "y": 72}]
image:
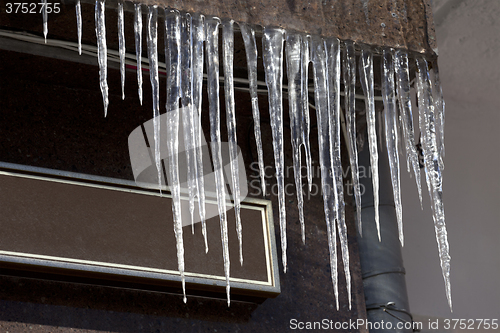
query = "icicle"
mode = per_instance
[
  {"x": 405, "y": 107},
  {"x": 306, "y": 121},
  {"x": 401, "y": 129},
  {"x": 293, "y": 65},
  {"x": 272, "y": 41},
  {"x": 329, "y": 190},
  {"x": 186, "y": 82},
  {"x": 366, "y": 77},
  {"x": 172, "y": 61},
  {"x": 45, "y": 17},
  {"x": 427, "y": 119},
  {"x": 333, "y": 65},
  {"x": 198, "y": 36},
  {"x": 391, "y": 134},
  {"x": 78, "y": 9},
  {"x": 102, "y": 56},
  {"x": 121, "y": 45},
  {"x": 228, "y": 54},
  {"x": 155, "y": 85},
  {"x": 212, "y": 45},
  {"x": 138, "y": 46},
  {"x": 248, "y": 35},
  {"x": 439, "y": 108},
  {"x": 350, "y": 111}
]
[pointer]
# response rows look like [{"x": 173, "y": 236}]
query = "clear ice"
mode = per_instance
[
  {"x": 152, "y": 40},
  {"x": 406, "y": 114},
  {"x": 433, "y": 170},
  {"x": 306, "y": 120},
  {"x": 186, "y": 72},
  {"x": 198, "y": 37},
  {"x": 333, "y": 79},
  {"x": 367, "y": 82},
  {"x": 78, "y": 9},
  {"x": 328, "y": 187},
  {"x": 248, "y": 34},
  {"x": 391, "y": 134},
  {"x": 121, "y": 45},
  {"x": 45, "y": 17},
  {"x": 228, "y": 55},
  {"x": 350, "y": 111},
  {"x": 102, "y": 52},
  {"x": 293, "y": 65},
  {"x": 172, "y": 61},
  {"x": 272, "y": 46},
  {"x": 439, "y": 108},
  {"x": 138, "y": 46},
  {"x": 212, "y": 52}
]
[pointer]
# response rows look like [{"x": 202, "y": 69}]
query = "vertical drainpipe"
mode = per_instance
[{"x": 382, "y": 267}]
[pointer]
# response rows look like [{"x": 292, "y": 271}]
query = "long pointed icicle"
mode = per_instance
[
  {"x": 172, "y": 61},
  {"x": 45, "y": 18},
  {"x": 333, "y": 65},
  {"x": 391, "y": 134},
  {"x": 212, "y": 45},
  {"x": 427, "y": 117},
  {"x": 197, "y": 68},
  {"x": 248, "y": 34},
  {"x": 152, "y": 40},
  {"x": 272, "y": 41},
  {"x": 306, "y": 121},
  {"x": 405, "y": 107},
  {"x": 329, "y": 190},
  {"x": 228, "y": 54},
  {"x": 102, "y": 52},
  {"x": 78, "y": 9},
  {"x": 350, "y": 111},
  {"x": 121, "y": 45},
  {"x": 186, "y": 61},
  {"x": 367, "y": 81},
  {"x": 293, "y": 65},
  {"x": 138, "y": 46}
]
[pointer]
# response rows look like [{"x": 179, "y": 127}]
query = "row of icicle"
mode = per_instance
[{"x": 184, "y": 54}]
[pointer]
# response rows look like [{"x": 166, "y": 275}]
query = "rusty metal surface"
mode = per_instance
[{"x": 404, "y": 24}]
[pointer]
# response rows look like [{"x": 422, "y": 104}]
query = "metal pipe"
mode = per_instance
[{"x": 382, "y": 267}]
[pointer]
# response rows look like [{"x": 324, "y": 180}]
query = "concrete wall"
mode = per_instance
[{"x": 468, "y": 33}]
